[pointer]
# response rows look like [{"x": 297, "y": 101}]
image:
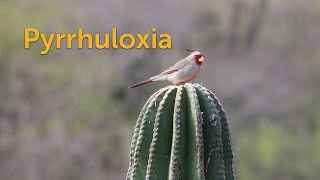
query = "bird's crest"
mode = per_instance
[{"x": 191, "y": 50}]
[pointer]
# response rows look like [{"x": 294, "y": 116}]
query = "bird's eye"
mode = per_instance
[{"x": 198, "y": 56}]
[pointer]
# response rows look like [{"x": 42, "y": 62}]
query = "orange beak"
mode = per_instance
[{"x": 201, "y": 59}]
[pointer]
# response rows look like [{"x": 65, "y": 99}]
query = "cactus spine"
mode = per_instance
[{"x": 181, "y": 133}]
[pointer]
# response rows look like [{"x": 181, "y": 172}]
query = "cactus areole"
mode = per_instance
[{"x": 182, "y": 132}]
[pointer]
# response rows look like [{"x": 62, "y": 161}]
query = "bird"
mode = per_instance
[{"x": 183, "y": 71}]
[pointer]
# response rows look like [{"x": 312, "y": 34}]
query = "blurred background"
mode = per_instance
[{"x": 69, "y": 115}]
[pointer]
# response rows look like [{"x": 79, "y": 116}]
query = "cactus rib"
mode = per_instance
[
  {"x": 226, "y": 136},
  {"x": 212, "y": 135},
  {"x": 195, "y": 121},
  {"x": 137, "y": 129},
  {"x": 161, "y": 141},
  {"x": 145, "y": 137},
  {"x": 177, "y": 151}
]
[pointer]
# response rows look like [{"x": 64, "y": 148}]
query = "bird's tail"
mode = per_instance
[{"x": 141, "y": 83}]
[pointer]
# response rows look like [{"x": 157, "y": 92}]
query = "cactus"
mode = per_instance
[{"x": 181, "y": 133}]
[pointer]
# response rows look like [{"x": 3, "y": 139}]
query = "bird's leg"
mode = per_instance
[{"x": 182, "y": 83}]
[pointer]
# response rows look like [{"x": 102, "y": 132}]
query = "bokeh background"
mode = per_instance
[{"x": 69, "y": 115}]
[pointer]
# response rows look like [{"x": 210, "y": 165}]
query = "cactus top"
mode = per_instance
[{"x": 182, "y": 132}]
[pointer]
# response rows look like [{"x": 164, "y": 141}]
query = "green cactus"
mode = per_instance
[{"x": 181, "y": 133}]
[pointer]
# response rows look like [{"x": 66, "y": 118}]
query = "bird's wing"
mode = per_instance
[{"x": 176, "y": 67}]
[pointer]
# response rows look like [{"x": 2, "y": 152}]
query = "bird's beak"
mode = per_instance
[{"x": 201, "y": 59}]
